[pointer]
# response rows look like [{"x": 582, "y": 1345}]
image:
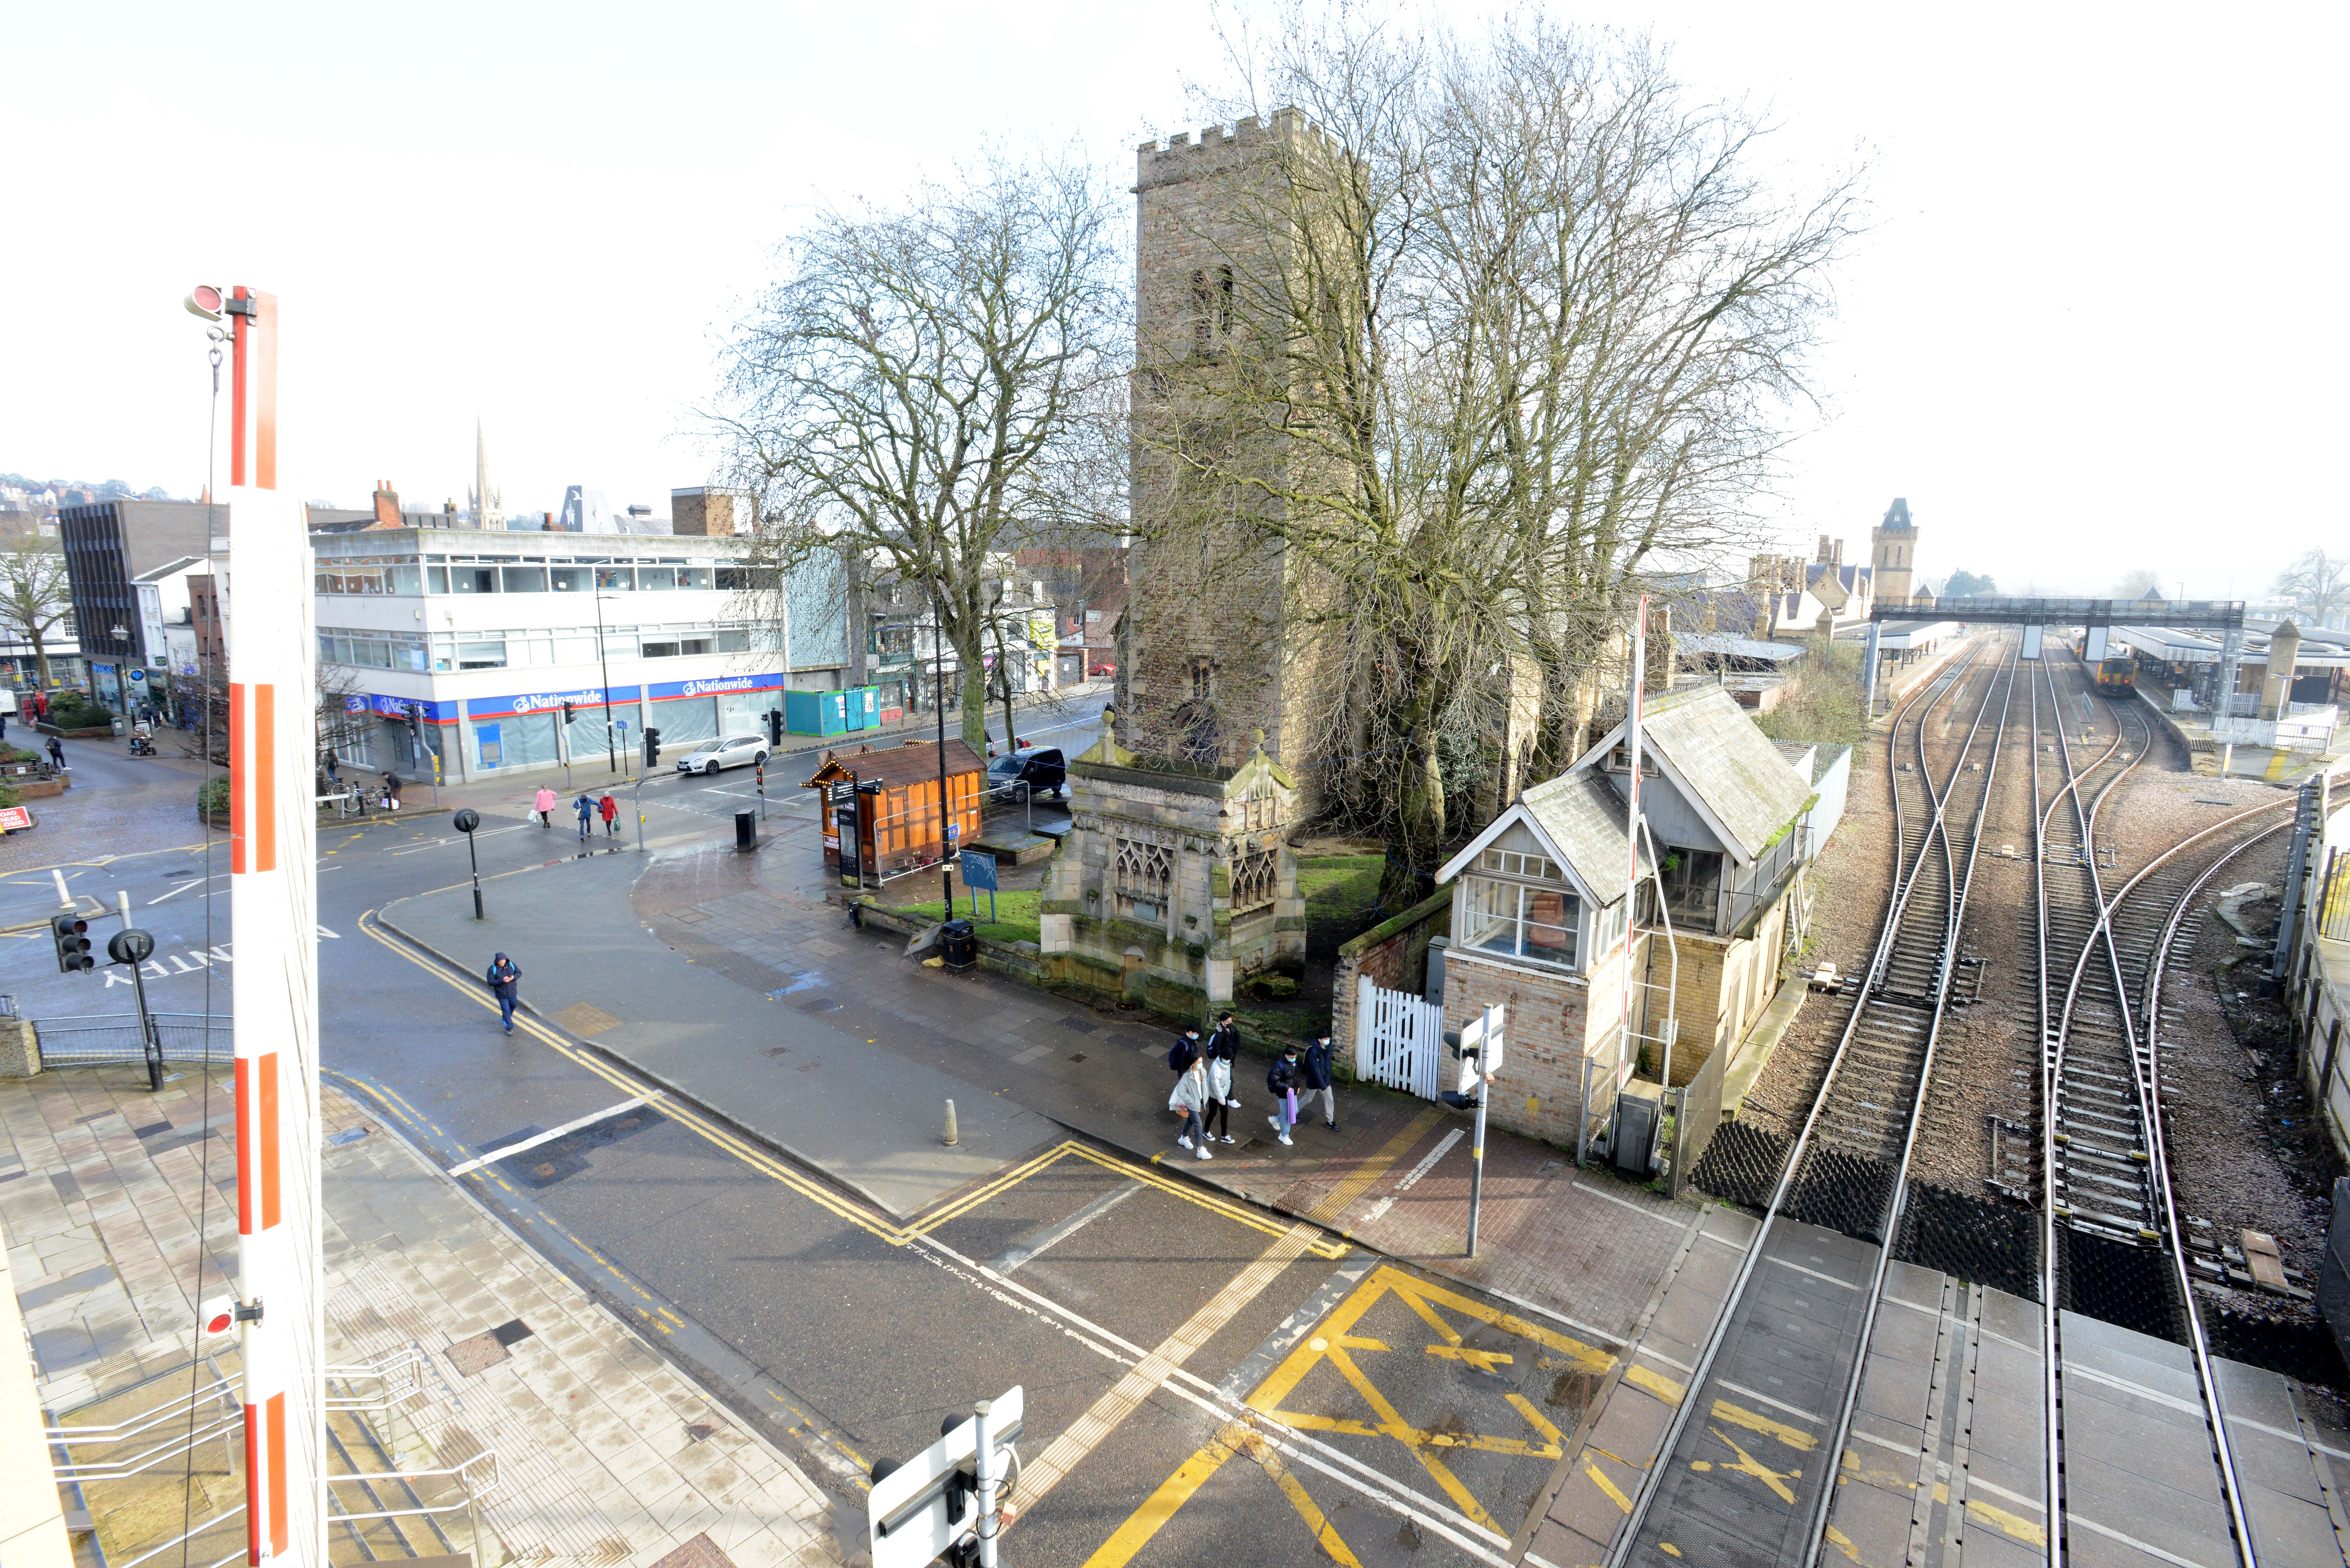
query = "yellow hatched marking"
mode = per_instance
[
  {"x": 1794, "y": 1437},
  {"x": 1552, "y": 1435},
  {"x": 1614, "y": 1493},
  {"x": 1173, "y": 1492},
  {"x": 1419, "y": 1442},
  {"x": 1482, "y": 1360},
  {"x": 1747, "y": 1465},
  {"x": 1651, "y": 1381}
]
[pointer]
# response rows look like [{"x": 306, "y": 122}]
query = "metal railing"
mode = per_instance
[
  {"x": 95, "y": 1040},
  {"x": 203, "y": 1428}
]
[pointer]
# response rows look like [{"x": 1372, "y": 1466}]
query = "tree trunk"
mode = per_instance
[
  {"x": 41, "y": 658},
  {"x": 974, "y": 696}
]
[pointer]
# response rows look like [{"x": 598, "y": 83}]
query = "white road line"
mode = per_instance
[
  {"x": 1428, "y": 1164},
  {"x": 178, "y": 890},
  {"x": 2112, "y": 1534},
  {"x": 1088, "y": 1432},
  {"x": 1013, "y": 1257},
  {"x": 514, "y": 1148},
  {"x": 1824, "y": 1279},
  {"x": 1758, "y": 1395},
  {"x": 1626, "y": 1203}
]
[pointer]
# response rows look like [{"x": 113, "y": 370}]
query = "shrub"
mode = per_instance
[
  {"x": 211, "y": 798},
  {"x": 76, "y": 711},
  {"x": 1273, "y": 987}
]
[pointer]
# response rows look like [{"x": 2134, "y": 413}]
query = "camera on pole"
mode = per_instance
[
  {"x": 653, "y": 747},
  {"x": 71, "y": 934},
  {"x": 949, "y": 1500}
]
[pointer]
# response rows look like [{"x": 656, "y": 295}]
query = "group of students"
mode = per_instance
[
  {"x": 1203, "y": 1085},
  {"x": 542, "y": 805}
]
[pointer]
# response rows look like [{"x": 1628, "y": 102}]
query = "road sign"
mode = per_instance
[
  {"x": 978, "y": 870},
  {"x": 907, "y": 1508}
]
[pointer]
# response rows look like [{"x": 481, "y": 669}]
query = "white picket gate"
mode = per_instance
[{"x": 1398, "y": 1039}]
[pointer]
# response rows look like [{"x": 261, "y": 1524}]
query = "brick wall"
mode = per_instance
[
  {"x": 1555, "y": 1021},
  {"x": 1394, "y": 955}
]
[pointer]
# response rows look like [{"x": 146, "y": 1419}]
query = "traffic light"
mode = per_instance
[
  {"x": 1471, "y": 1091},
  {"x": 566, "y": 715},
  {"x": 72, "y": 933},
  {"x": 416, "y": 724},
  {"x": 652, "y": 746},
  {"x": 775, "y": 726}
]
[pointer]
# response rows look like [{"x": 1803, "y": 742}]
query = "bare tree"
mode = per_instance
[
  {"x": 2319, "y": 583},
  {"x": 1498, "y": 330},
  {"x": 35, "y": 595},
  {"x": 926, "y": 388},
  {"x": 2136, "y": 583}
]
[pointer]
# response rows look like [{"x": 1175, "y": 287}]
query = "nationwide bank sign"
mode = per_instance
[{"x": 593, "y": 696}]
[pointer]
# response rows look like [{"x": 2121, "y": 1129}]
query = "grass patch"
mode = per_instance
[
  {"x": 1016, "y": 915},
  {"x": 1827, "y": 707},
  {"x": 1340, "y": 893}
]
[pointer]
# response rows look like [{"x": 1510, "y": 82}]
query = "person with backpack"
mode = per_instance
[
  {"x": 1189, "y": 1096},
  {"x": 57, "y": 753},
  {"x": 587, "y": 811},
  {"x": 1222, "y": 1046},
  {"x": 505, "y": 979},
  {"x": 1283, "y": 1081},
  {"x": 610, "y": 810},
  {"x": 1320, "y": 1080},
  {"x": 1184, "y": 1052}
]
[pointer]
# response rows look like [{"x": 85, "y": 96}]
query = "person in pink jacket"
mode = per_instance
[{"x": 542, "y": 803}]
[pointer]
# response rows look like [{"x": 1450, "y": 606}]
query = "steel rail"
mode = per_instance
[
  {"x": 2051, "y": 1051},
  {"x": 2145, "y": 1077},
  {"x": 1897, "y": 902},
  {"x": 1956, "y": 921}
]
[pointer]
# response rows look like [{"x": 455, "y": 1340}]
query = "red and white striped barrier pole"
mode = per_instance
[{"x": 273, "y": 859}]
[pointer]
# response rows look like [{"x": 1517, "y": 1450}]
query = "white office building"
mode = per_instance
[{"x": 489, "y": 634}]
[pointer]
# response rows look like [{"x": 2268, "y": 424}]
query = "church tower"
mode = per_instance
[
  {"x": 488, "y": 508},
  {"x": 1893, "y": 554},
  {"x": 1177, "y": 881}
]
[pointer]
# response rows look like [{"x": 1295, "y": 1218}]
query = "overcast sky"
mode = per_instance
[{"x": 2095, "y": 324}]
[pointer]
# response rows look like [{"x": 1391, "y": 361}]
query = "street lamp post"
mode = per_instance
[
  {"x": 603, "y": 662},
  {"x": 121, "y": 636}
]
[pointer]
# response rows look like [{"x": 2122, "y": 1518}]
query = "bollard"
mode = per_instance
[{"x": 953, "y": 1137}]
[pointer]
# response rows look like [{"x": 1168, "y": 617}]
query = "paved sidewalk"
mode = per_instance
[{"x": 607, "y": 1454}]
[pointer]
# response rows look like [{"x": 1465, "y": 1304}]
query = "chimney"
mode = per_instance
[
  {"x": 546, "y": 524},
  {"x": 386, "y": 505}
]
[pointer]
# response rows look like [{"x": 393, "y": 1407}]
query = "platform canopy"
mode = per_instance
[{"x": 2223, "y": 615}]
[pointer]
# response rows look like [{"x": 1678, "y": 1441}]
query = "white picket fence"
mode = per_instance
[{"x": 1398, "y": 1039}]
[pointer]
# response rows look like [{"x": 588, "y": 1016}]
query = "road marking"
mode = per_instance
[
  {"x": 1443, "y": 1147},
  {"x": 1012, "y": 1259},
  {"x": 1112, "y": 1408},
  {"x": 549, "y": 1136},
  {"x": 1334, "y": 1203},
  {"x": 2111, "y": 1533},
  {"x": 1581, "y": 1186},
  {"x": 1766, "y": 1399},
  {"x": 1824, "y": 1279}
]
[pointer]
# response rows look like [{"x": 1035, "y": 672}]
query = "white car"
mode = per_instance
[{"x": 726, "y": 752}]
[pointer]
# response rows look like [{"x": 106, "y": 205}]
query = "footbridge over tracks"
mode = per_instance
[{"x": 2092, "y": 615}]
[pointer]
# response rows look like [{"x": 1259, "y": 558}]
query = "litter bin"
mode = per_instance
[{"x": 959, "y": 944}]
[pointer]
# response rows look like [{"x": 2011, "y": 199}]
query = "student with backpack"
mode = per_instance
[
  {"x": 1283, "y": 1081},
  {"x": 1184, "y": 1052},
  {"x": 1320, "y": 1080}
]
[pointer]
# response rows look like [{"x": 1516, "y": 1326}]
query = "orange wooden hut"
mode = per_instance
[{"x": 898, "y": 822}]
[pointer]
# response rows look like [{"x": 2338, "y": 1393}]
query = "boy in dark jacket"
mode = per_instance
[
  {"x": 1284, "y": 1080},
  {"x": 1184, "y": 1052},
  {"x": 1319, "y": 1081},
  {"x": 504, "y": 978}
]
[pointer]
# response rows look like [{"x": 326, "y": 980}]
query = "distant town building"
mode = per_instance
[{"x": 108, "y": 546}]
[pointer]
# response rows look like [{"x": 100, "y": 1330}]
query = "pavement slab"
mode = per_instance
[{"x": 862, "y": 1115}]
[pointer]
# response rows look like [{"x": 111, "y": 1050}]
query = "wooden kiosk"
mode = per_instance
[{"x": 898, "y": 822}]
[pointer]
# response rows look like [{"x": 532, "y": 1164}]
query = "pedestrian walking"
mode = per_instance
[
  {"x": 611, "y": 809},
  {"x": 1184, "y": 1052},
  {"x": 57, "y": 753},
  {"x": 586, "y": 810},
  {"x": 1191, "y": 1095},
  {"x": 1320, "y": 1080},
  {"x": 1283, "y": 1081},
  {"x": 1223, "y": 1047},
  {"x": 542, "y": 803},
  {"x": 328, "y": 760},
  {"x": 505, "y": 980}
]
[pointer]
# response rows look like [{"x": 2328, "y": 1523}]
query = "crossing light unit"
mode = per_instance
[
  {"x": 1478, "y": 1049},
  {"x": 652, "y": 746},
  {"x": 71, "y": 934},
  {"x": 566, "y": 715},
  {"x": 416, "y": 723},
  {"x": 950, "y": 1501},
  {"x": 775, "y": 726}
]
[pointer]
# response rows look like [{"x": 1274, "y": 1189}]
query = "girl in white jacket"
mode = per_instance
[{"x": 1189, "y": 1096}]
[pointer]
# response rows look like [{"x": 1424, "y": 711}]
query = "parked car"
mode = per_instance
[
  {"x": 726, "y": 752},
  {"x": 1040, "y": 771}
]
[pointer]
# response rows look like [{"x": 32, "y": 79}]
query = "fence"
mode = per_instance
[
  {"x": 1696, "y": 1116},
  {"x": 1398, "y": 1039},
  {"x": 104, "y": 1040}
]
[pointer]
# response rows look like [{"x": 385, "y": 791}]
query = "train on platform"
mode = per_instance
[{"x": 2116, "y": 674}]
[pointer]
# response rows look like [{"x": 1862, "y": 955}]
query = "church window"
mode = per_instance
[
  {"x": 1142, "y": 874},
  {"x": 1256, "y": 874}
]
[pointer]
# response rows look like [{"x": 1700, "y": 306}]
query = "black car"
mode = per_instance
[{"x": 1042, "y": 771}]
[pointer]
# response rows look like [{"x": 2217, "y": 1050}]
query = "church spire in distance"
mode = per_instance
[{"x": 488, "y": 513}]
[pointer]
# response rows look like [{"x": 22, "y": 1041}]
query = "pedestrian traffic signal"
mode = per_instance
[
  {"x": 775, "y": 726},
  {"x": 652, "y": 746},
  {"x": 72, "y": 933}
]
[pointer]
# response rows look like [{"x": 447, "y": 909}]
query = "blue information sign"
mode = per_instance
[{"x": 978, "y": 870}]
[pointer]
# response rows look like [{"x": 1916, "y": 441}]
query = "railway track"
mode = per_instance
[
  {"x": 2112, "y": 1245},
  {"x": 1785, "y": 1354}
]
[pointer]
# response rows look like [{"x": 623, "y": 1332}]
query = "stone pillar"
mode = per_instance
[
  {"x": 20, "y": 1049},
  {"x": 2276, "y": 691}
]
